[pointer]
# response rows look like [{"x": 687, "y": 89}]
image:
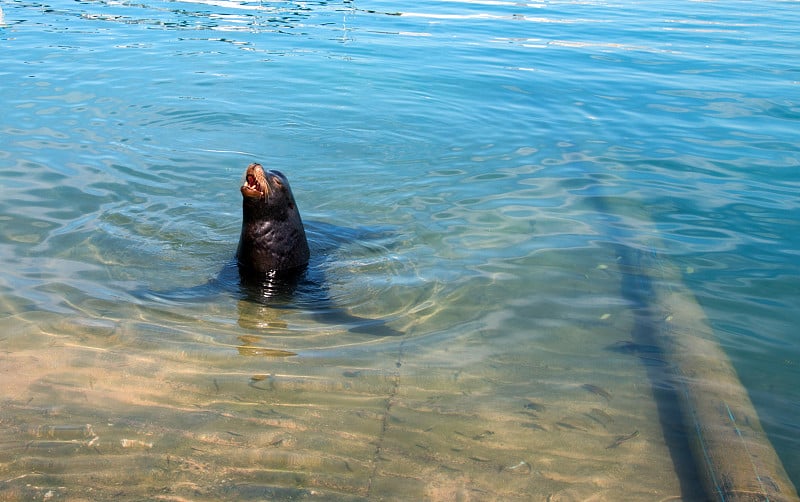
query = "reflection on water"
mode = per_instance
[{"x": 471, "y": 175}]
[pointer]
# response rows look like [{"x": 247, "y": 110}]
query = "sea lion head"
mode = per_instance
[
  {"x": 273, "y": 240},
  {"x": 266, "y": 191}
]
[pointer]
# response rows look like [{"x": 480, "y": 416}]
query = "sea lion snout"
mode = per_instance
[
  {"x": 255, "y": 185},
  {"x": 259, "y": 183}
]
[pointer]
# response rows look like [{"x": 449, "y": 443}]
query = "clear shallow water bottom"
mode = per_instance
[
  {"x": 470, "y": 336},
  {"x": 148, "y": 405}
]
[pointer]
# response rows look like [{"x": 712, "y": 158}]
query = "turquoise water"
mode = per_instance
[{"x": 466, "y": 171}]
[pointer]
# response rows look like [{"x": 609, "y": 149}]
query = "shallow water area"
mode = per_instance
[{"x": 492, "y": 192}]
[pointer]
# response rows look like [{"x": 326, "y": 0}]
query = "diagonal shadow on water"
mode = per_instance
[{"x": 637, "y": 288}]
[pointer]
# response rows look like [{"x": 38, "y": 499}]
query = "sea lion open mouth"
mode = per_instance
[{"x": 255, "y": 183}]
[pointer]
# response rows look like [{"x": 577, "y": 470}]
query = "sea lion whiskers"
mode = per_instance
[{"x": 255, "y": 179}]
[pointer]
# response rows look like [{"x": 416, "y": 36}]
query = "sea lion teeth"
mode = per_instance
[
  {"x": 251, "y": 182},
  {"x": 256, "y": 181}
]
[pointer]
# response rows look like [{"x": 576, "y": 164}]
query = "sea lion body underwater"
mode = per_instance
[{"x": 273, "y": 241}]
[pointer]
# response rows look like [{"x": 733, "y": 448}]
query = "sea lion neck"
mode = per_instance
[{"x": 255, "y": 210}]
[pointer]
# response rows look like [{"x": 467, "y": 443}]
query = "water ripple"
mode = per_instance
[{"x": 469, "y": 173}]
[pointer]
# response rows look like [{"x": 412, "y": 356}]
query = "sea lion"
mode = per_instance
[
  {"x": 275, "y": 267},
  {"x": 273, "y": 241}
]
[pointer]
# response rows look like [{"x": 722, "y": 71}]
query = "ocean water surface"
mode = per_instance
[{"x": 471, "y": 175}]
